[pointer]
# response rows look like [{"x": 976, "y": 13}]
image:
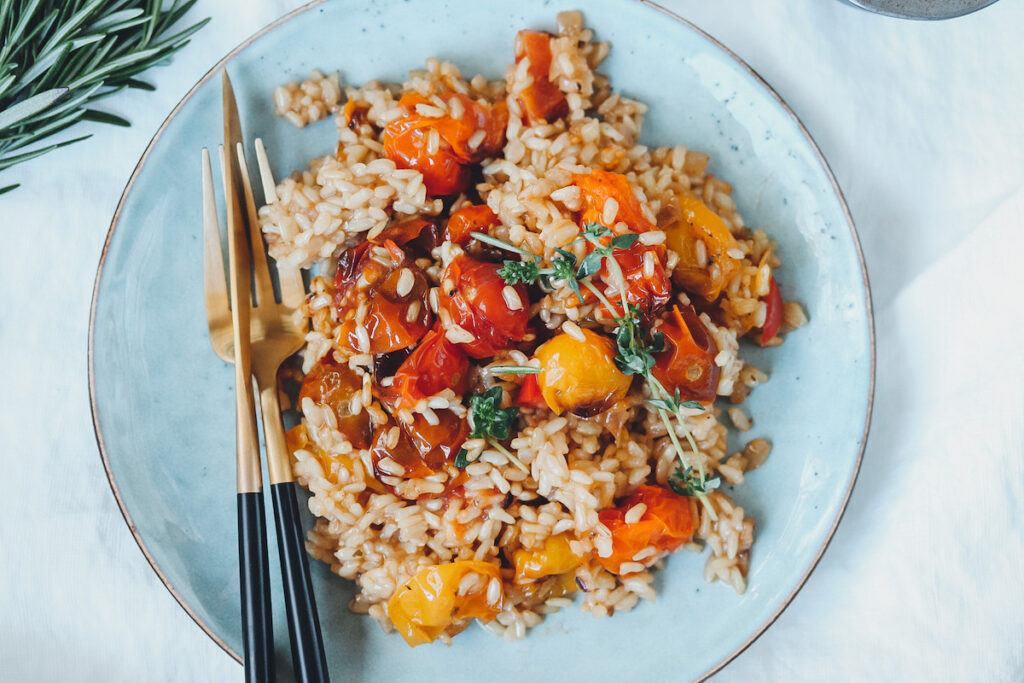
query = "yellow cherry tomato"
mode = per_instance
[
  {"x": 580, "y": 376},
  {"x": 702, "y": 240},
  {"x": 553, "y": 558},
  {"x": 435, "y": 598}
]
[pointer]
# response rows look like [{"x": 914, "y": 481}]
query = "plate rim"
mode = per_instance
[{"x": 98, "y": 432}]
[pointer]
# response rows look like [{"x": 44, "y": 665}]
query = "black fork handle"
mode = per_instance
[
  {"x": 257, "y": 619},
  {"x": 303, "y": 622}
]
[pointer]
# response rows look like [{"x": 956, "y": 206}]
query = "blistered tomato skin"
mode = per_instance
[
  {"x": 667, "y": 523},
  {"x": 597, "y": 187},
  {"x": 553, "y": 558},
  {"x": 580, "y": 376},
  {"x": 467, "y": 220},
  {"x": 773, "y": 313},
  {"x": 473, "y": 295},
  {"x": 688, "y": 361},
  {"x": 541, "y": 101},
  {"x": 421, "y": 448},
  {"x": 429, "y": 602},
  {"x": 703, "y": 242},
  {"x": 436, "y": 364},
  {"x": 395, "y": 291},
  {"x": 332, "y": 384},
  {"x": 439, "y": 146}
]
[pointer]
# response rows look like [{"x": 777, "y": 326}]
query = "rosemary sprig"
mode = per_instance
[{"x": 59, "y": 57}]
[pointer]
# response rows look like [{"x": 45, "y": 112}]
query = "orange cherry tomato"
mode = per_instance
[
  {"x": 397, "y": 315},
  {"x": 773, "y": 314},
  {"x": 298, "y": 438},
  {"x": 472, "y": 293},
  {"x": 469, "y": 219},
  {"x": 444, "y": 162},
  {"x": 332, "y": 384},
  {"x": 580, "y": 376},
  {"x": 436, "y": 364},
  {"x": 541, "y": 100},
  {"x": 703, "y": 270},
  {"x": 552, "y": 558},
  {"x": 422, "y": 449},
  {"x": 597, "y": 187},
  {"x": 431, "y": 601},
  {"x": 530, "y": 395},
  {"x": 667, "y": 523},
  {"x": 688, "y": 361}
]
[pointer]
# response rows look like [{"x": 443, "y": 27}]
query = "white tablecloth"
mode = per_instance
[{"x": 923, "y": 124}]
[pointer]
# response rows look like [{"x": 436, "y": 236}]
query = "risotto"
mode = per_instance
[{"x": 520, "y": 324}]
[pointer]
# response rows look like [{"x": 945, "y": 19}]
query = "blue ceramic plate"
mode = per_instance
[{"x": 162, "y": 402}]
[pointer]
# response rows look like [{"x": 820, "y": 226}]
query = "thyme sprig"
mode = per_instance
[
  {"x": 635, "y": 346},
  {"x": 492, "y": 423},
  {"x": 59, "y": 57}
]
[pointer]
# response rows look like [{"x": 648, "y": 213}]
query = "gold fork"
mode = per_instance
[{"x": 277, "y": 331}]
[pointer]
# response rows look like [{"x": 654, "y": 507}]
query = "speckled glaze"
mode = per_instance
[
  {"x": 922, "y": 9},
  {"x": 162, "y": 402}
]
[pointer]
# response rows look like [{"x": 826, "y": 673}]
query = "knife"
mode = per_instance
[{"x": 257, "y": 619}]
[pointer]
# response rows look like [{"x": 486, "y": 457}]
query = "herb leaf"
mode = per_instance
[
  {"x": 591, "y": 264},
  {"x": 625, "y": 241},
  {"x": 690, "y": 483},
  {"x": 461, "y": 458},
  {"x": 520, "y": 272},
  {"x": 487, "y": 418}
]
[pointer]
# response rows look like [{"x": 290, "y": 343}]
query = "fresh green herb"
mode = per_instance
[
  {"x": 693, "y": 484},
  {"x": 488, "y": 418},
  {"x": 519, "y": 272},
  {"x": 58, "y": 58},
  {"x": 512, "y": 370},
  {"x": 491, "y": 422},
  {"x": 461, "y": 458}
]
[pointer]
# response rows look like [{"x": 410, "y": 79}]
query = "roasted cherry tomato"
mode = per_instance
[
  {"x": 436, "y": 598},
  {"x": 597, "y": 187},
  {"x": 541, "y": 101},
  {"x": 469, "y": 219},
  {"x": 667, "y": 523},
  {"x": 688, "y": 361},
  {"x": 332, "y": 384},
  {"x": 647, "y": 286},
  {"x": 475, "y": 297},
  {"x": 436, "y": 364},
  {"x": 703, "y": 242},
  {"x": 530, "y": 395},
  {"x": 441, "y": 147},
  {"x": 422, "y": 449},
  {"x": 773, "y": 313},
  {"x": 414, "y": 231},
  {"x": 395, "y": 292},
  {"x": 552, "y": 558},
  {"x": 580, "y": 376},
  {"x": 298, "y": 438}
]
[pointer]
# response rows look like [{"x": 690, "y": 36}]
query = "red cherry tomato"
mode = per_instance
[
  {"x": 422, "y": 449},
  {"x": 597, "y": 187},
  {"x": 417, "y": 231},
  {"x": 443, "y": 162},
  {"x": 435, "y": 365},
  {"x": 688, "y": 361},
  {"x": 530, "y": 395},
  {"x": 541, "y": 100},
  {"x": 472, "y": 294},
  {"x": 397, "y": 314},
  {"x": 773, "y": 314},
  {"x": 467, "y": 220},
  {"x": 667, "y": 523},
  {"x": 332, "y": 384}
]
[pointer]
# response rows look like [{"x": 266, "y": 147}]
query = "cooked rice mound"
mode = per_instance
[{"x": 385, "y": 529}]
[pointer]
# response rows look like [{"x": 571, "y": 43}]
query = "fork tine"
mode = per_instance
[
  {"x": 214, "y": 282},
  {"x": 260, "y": 271},
  {"x": 290, "y": 279}
]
